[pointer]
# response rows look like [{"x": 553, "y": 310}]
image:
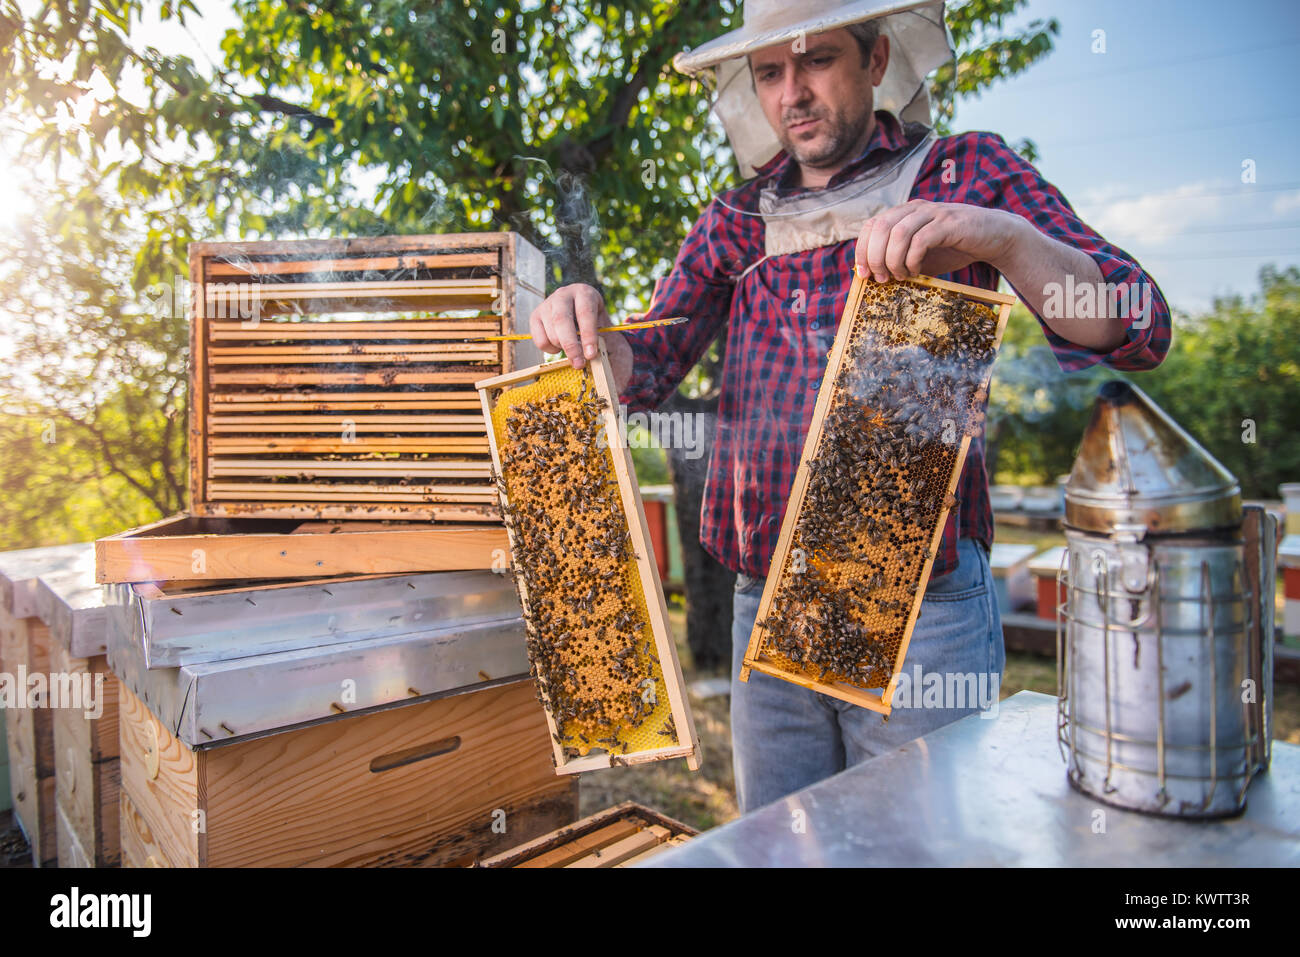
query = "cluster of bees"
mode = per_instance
[
  {"x": 906, "y": 391},
  {"x": 589, "y": 646}
]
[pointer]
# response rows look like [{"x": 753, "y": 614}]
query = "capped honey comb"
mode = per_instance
[
  {"x": 596, "y": 622},
  {"x": 903, "y": 394}
]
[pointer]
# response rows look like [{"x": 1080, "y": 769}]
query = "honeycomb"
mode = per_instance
[
  {"x": 591, "y": 644},
  {"x": 909, "y": 385}
]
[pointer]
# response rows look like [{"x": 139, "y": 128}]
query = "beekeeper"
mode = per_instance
[{"x": 826, "y": 107}]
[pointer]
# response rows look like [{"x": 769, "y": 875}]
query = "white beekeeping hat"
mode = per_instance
[{"x": 918, "y": 43}]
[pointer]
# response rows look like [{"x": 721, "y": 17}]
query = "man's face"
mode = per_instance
[{"x": 817, "y": 94}]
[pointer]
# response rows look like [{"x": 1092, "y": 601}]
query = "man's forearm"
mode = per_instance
[{"x": 1035, "y": 263}]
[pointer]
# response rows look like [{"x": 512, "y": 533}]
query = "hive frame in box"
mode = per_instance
[
  {"x": 688, "y": 745},
  {"x": 753, "y": 660},
  {"x": 619, "y": 836},
  {"x": 232, "y": 481}
]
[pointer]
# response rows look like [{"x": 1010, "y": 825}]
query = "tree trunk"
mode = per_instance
[
  {"x": 993, "y": 431},
  {"x": 709, "y": 584}
]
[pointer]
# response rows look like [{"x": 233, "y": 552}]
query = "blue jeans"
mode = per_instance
[{"x": 784, "y": 737}]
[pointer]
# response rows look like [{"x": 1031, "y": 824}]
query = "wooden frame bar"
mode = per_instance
[
  {"x": 753, "y": 659},
  {"x": 252, "y": 267},
  {"x": 595, "y": 840},
  {"x": 621, "y": 458}
]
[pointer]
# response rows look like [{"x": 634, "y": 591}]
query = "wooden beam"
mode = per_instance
[{"x": 278, "y": 330}]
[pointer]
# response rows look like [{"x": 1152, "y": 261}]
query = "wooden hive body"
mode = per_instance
[
  {"x": 29, "y": 737},
  {"x": 598, "y": 635},
  {"x": 332, "y": 379},
  {"x": 333, "y": 417},
  {"x": 429, "y": 783},
  {"x": 902, "y": 397}
]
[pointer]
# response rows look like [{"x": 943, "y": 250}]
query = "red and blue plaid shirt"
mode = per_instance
[{"x": 782, "y": 319}]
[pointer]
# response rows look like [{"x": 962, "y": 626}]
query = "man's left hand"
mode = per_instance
[{"x": 925, "y": 238}]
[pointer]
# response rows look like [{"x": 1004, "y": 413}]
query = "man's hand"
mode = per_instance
[
  {"x": 925, "y": 238},
  {"x": 567, "y": 321},
  {"x": 931, "y": 239}
]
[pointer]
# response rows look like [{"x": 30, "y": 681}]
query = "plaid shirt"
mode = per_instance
[{"x": 776, "y": 353}]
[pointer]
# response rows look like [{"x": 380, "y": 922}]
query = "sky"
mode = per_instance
[{"x": 1146, "y": 139}]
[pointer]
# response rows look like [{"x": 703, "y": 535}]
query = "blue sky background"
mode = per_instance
[{"x": 1146, "y": 140}]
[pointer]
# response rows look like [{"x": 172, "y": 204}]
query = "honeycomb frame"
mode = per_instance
[
  {"x": 546, "y": 393},
  {"x": 896, "y": 515}
]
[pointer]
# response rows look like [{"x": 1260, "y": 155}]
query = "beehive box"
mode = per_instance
[
  {"x": 85, "y": 721},
  {"x": 331, "y": 379},
  {"x": 29, "y": 734},
  {"x": 620, "y": 836},
  {"x": 902, "y": 397},
  {"x": 25, "y": 646},
  {"x": 430, "y": 783},
  {"x": 87, "y": 770},
  {"x": 598, "y": 638}
]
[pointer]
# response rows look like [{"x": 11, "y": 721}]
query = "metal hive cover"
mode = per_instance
[{"x": 1138, "y": 468}]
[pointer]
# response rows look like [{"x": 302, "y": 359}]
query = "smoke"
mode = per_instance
[
  {"x": 1030, "y": 386},
  {"x": 576, "y": 222}
]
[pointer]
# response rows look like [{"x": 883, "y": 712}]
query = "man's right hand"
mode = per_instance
[{"x": 567, "y": 321}]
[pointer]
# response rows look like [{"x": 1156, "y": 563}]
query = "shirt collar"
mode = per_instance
[{"x": 887, "y": 136}]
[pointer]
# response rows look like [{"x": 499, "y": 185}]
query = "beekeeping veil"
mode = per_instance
[{"x": 918, "y": 43}]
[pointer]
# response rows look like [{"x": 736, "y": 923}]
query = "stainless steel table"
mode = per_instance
[{"x": 992, "y": 791}]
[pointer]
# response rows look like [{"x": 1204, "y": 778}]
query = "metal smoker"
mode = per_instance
[{"x": 1164, "y": 639}]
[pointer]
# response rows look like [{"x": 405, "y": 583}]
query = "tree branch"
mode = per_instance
[{"x": 666, "y": 42}]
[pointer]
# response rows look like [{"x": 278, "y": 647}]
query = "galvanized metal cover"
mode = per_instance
[{"x": 1138, "y": 469}]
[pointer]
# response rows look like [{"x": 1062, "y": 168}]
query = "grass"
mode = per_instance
[{"x": 707, "y": 798}]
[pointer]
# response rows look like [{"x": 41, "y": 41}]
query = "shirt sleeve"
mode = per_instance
[
  {"x": 1007, "y": 181},
  {"x": 699, "y": 289}
]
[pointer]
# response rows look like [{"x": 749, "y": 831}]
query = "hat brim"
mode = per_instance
[{"x": 746, "y": 40}]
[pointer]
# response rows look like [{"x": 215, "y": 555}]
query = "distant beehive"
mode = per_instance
[
  {"x": 902, "y": 396},
  {"x": 598, "y": 636}
]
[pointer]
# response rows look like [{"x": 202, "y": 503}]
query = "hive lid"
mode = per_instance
[{"x": 1137, "y": 471}]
